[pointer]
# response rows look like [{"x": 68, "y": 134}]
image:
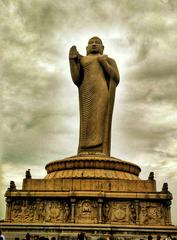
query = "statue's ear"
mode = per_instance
[
  {"x": 102, "y": 49},
  {"x": 87, "y": 50}
]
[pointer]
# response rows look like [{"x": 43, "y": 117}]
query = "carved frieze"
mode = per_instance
[
  {"x": 40, "y": 211},
  {"x": 87, "y": 211}
]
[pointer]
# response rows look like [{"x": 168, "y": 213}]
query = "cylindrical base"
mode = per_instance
[{"x": 92, "y": 166}]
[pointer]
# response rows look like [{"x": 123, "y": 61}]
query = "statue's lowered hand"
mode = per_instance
[{"x": 73, "y": 53}]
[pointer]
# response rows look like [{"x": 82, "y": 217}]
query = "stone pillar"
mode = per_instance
[
  {"x": 73, "y": 202},
  {"x": 100, "y": 210},
  {"x": 137, "y": 212},
  {"x": 168, "y": 212},
  {"x": 8, "y": 210}
]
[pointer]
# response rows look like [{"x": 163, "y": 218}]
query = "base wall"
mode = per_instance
[
  {"x": 92, "y": 231},
  {"x": 84, "y": 207}
]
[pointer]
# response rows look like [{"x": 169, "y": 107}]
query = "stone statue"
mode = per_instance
[
  {"x": 151, "y": 176},
  {"x": 28, "y": 174},
  {"x": 165, "y": 187},
  {"x": 96, "y": 76},
  {"x": 12, "y": 186}
]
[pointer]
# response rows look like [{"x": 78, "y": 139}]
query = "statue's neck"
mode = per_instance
[{"x": 94, "y": 54}]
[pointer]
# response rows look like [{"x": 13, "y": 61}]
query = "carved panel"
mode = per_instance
[
  {"x": 132, "y": 213},
  {"x": 106, "y": 212},
  {"x": 54, "y": 212},
  {"x": 119, "y": 213},
  {"x": 40, "y": 211},
  {"x": 16, "y": 211},
  {"x": 86, "y": 212},
  {"x": 155, "y": 215},
  {"x": 151, "y": 214}
]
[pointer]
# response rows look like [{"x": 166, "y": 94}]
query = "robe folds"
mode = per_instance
[{"x": 96, "y": 100}]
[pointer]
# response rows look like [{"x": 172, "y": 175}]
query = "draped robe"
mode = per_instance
[{"x": 96, "y": 100}]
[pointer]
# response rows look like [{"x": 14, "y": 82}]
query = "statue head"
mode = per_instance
[{"x": 95, "y": 46}]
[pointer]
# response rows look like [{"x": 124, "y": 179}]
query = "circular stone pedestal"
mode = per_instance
[{"x": 92, "y": 166}]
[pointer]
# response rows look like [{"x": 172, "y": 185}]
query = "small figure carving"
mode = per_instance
[
  {"x": 23, "y": 211},
  {"x": 28, "y": 174},
  {"x": 86, "y": 207},
  {"x": 165, "y": 188},
  {"x": 40, "y": 212},
  {"x": 132, "y": 213},
  {"x": 106, "y": 211},
  {"x": 151, "y": 176},
  {"x": 67, "y": 212},
  {"x": 144, "y": 215},
  {"x": 16, "y": 211},
  {"x": 86, "y": 211},
  {"x": 48, "y": 210},
  {"x": 12, "y": 186}
]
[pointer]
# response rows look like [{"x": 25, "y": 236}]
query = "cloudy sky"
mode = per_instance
[{"x": 39, "y": 102}]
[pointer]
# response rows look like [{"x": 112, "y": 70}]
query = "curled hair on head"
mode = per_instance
[{"x": 96, "y": 38}]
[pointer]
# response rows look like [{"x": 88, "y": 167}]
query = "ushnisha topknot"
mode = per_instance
[{"x": 96, "y": 38}]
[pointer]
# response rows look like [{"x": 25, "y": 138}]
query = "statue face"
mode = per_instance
[{"x": 95, "y": 46}]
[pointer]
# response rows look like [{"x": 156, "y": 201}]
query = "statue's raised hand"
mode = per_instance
[{"x": 73, "y": 53}]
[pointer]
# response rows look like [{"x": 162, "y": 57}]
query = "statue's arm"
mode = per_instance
[
  {"x": 75, "y": 67},
  {"x": 110, "y": 67}
]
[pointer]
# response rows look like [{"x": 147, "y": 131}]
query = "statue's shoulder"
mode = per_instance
[{"x": 112, "y": 61}]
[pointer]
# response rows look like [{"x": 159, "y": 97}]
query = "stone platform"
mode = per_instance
[
  {"x": 93, "y": 231},
  {"x": 93, "y": 193},
  {"x": 92, "y": 166}
]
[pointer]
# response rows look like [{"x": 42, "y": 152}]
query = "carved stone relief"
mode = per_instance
[
  {"x": 106, "y": 212},
  {"x": 86, "y": 212},
  {"x": 119, "y": 213},
  {"x": 40, "y": 211},
  {"x": 151, "y": 214},
  {"x": 54, "y": 212},
  {"x": 67, "y": 212},
  {"x": 155, "y": 215},
  {"x": 16, "y": 211},
  {"x": 144, "y": 216},
  {"x": 132, "y": 213}
]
